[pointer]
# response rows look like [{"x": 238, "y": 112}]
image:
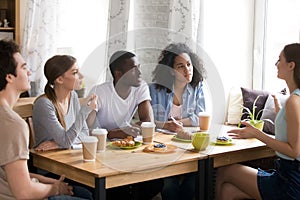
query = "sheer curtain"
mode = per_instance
[
  {"x": 39, "y": 39},
  {"x": 147, "y": 27},
  {"x": 117, "y": 28},
  {"x": 75, "y": 27}
]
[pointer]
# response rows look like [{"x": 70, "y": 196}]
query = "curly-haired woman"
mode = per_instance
[{"x": 177, "y": 93}]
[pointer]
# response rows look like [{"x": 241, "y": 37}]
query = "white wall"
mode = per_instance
[{"x": 228, "y": 39}]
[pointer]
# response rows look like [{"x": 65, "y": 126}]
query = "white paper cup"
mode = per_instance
[
  {"x": 101, "y": 134},
  {"x": 89, "y": 148},
  {"x": 147, "y": 132},
  {"x": 204, "y": 121}
]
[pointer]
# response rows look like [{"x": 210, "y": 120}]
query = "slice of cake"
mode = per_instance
[
  {"x": 186, "y": 135},
  {"x": 224, "y": 140}
]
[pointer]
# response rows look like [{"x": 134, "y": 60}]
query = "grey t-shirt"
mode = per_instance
[{"x": 47, "y": 127}]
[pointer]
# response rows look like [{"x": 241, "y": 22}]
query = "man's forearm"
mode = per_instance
[{"x": 116, "y": 133}]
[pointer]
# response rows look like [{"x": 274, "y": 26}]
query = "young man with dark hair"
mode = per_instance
[
  {"x": 15, "y": 180},
  {"x": 119, "y": 99},
  {"x": 117, "y": 103}
]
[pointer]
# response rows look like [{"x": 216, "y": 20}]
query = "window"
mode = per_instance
[
  {"x": 282, "y": 27},
  {"x": 82, "y": 26}
]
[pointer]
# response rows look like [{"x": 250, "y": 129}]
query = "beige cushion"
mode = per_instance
[{"x": 235, "y": 103}]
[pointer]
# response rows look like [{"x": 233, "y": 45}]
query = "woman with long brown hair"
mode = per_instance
[
  {"x": 242, "y": 182},
  {"x": 58, "y": 119}
]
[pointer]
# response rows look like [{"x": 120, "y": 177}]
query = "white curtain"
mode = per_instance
[
  {"x": 146, "y": 27},
  {"x": 184, "y": 20},
  {"x": 74, "y": 27},
  {"x": 117, "y": 28},
  {"x": 157, "y": 24},
  {"x": 39, "y": 39}
]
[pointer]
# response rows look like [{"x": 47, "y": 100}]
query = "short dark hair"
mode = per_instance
[
  {"x": 8, "y": 63},
  {"x": 117, "y": 60}
]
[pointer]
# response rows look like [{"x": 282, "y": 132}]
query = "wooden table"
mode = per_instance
[
  {"x": 222, "y": 155},
  {"x": 116, "y": 167}
]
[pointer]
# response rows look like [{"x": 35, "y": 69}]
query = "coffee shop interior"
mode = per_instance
[
  {"x": 237, "y": 37},
  {"x": 239, "y": 42}
]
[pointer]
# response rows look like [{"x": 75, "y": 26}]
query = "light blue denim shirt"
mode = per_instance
[
  {"x": 193, "y": 103},
  {"x": 281, "y": 127}
]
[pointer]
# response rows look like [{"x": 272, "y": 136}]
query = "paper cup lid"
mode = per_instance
[
  {"x": 99, "y": 131},
  {"x": 89, "y": 139},
  {"x": 147, "y": 124},
  {"x": 206, "y": 114}
]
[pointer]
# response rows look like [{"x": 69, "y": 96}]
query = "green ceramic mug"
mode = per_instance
[{"x": 200, "y": 140}]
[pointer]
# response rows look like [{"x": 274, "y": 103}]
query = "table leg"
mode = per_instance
[
  {"x": 200, "y": 180},
  {"x": 100, "y": 193},
  {"x": 209, "y": 178}
]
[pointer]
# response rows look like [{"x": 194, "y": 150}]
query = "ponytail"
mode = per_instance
[{"x": 50, "y": 94}]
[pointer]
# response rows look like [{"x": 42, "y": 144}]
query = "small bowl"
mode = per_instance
[{"x": 200, "y": 140}]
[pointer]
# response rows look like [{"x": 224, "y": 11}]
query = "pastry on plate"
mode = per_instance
[
  {"x": 127, "y": 142},
  {"x": 224, "y": 140},
  {"x": 186, "y": 135},
  {"x": 159, "y": 147}
]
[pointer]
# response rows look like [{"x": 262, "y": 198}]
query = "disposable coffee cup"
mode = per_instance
[
  {"x": 147, "y": 132},
  {"x": 101, "y": 134},
  {"x": 204, "y": 121},
  {"x": 89, "y": 148}
]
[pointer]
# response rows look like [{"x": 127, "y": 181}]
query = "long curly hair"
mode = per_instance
[{"x": 163, "y": 73}]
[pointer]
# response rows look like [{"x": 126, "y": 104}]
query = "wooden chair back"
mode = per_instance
[{"x": 24, "y": 108}]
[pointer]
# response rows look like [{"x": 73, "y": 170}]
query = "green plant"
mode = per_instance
[{"x": 253, "y": 117}]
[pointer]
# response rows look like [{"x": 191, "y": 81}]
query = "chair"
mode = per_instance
[
  {"x": 31, "y": 132},
  {"x": 24, "y": 108}
]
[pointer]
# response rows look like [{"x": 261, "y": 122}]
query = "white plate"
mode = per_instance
[{"x": 166, "y": 131}]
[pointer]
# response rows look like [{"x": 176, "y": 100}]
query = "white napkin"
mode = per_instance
[{"x": 76, "y": 146}]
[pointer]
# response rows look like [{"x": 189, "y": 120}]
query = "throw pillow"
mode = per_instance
[
  {"x": 235, "y": 103},
  {"x": 249, "y": 97},
  {"x": 269, "y": 112}
]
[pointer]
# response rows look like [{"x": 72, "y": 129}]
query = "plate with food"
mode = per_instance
[
  {"x": 223, "y": 140},
  {"x": 178, "y": 139},
  {"x": 160, "y": 148},
  {"x": 127, "y": 143},
  {"x": 183, "y": 136}
]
